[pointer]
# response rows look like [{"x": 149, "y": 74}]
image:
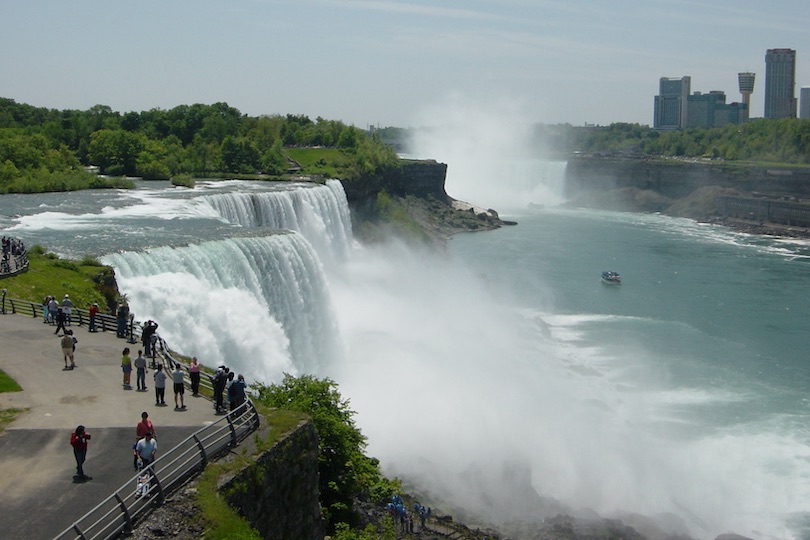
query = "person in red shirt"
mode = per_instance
[
  {"x": 144, "y": 426},
  {"x": 91, "y": 312},
  {"x": 78, "y": 440}
]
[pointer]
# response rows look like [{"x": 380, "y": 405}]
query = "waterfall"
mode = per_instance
[
  {"x": 260, "y": 304},
  {"x": 319, "y": 212}
]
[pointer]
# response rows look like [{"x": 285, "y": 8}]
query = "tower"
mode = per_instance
[
  {"x": 746, "y": 82},
  {"x": 780, "y": 83}
]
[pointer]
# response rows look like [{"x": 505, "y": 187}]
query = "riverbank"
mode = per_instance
[{"x": 762, "y": 228}]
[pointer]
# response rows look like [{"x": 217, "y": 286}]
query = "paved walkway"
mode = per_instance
[{"x": 37, "y": 494}]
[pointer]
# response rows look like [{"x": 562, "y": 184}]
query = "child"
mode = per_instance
[{"x": 143, "y": 485}]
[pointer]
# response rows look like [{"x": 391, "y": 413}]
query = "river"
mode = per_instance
[{"x": 500, "y": 378}]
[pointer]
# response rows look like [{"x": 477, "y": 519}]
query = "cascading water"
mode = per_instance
[
  {"x": 321, "y": 215},
  {"x": 253, "y": 302}
]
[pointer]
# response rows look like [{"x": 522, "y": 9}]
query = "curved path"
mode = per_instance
[{"x": 38, "y": 496}]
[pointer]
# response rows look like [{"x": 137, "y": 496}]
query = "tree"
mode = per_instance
[
  {"x": 345, "y": 471},
  {"x": 116, "y": 152}
]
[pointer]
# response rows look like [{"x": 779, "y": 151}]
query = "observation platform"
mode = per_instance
[{"x": 37, "y": 492}]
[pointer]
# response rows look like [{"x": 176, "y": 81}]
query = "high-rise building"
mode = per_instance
[
  {"x": 709, "y": 110},
  {"x": 746, "y": 82},
  {"x": 804, "y": 102},
  {"x": 671, "y": 103},
  {"x": 780, "y": 83},
  {"x": 701, "y": 108}
]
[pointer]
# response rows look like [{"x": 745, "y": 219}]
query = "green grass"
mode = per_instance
[
  {"x": 7, "y": 384},
  {"x": 7, "y": 416},
  {"x": 86, "y": 281},
  {"x": 329, "y": 162},
  {"x": 221, "y": 522}
]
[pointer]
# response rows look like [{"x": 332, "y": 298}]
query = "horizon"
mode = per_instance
[{"x": 388, "y": 62}]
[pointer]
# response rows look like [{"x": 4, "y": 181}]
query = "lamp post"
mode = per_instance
[
  {"x": 4, "y": 301},
  {"x": 131, "y": 338}
]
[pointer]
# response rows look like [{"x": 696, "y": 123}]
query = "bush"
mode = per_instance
[
  {"x": 183, "y": 180},
  {"x": 345, "y": 471}
]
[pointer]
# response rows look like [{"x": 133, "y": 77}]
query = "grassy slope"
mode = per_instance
[{"x": 85, "y": 281}]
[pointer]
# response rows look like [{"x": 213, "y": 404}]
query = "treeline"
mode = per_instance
[
  {"x": 760, "y": 140},
  {"x": 194, "y": 140}
]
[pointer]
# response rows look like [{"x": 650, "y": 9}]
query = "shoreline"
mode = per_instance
[{"x": 759, "y": 228}]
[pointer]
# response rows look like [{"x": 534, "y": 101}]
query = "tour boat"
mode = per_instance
[{"x": 611, "y": 278}]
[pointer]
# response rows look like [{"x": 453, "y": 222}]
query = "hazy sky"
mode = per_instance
[{"x": 385, "y": 62}]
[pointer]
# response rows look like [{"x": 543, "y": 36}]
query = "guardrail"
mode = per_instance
[
  {"x": 108, "y": 323},
  {"x": 78, "y": 316},
  {"x": 13, "y": 265},
  {"x": 119, "y": 512}
]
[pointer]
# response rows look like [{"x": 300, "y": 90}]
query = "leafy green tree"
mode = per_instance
[
  {"x": 239, "y": 155},
  {"x": 116, "y": 151},
  {"x": 345, "y": 471}
]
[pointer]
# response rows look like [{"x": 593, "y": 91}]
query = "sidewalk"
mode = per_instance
[{"x": 37, "y": 493}]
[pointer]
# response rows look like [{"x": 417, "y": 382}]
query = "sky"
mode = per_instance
[{"x": 392, "y": 62}]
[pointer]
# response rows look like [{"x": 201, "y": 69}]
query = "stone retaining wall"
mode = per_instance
[{"x": 278, "y": 493}]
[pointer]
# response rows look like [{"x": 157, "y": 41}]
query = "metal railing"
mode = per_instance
[
  {"x": 14, "y": 265},
  {"x": 78, "y": 316},
  {"x": 119, "y": 512},
  {"x": 109, "y": 323}
]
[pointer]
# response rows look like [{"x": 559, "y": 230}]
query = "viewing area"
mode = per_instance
[{"x": 39, "y": 494}]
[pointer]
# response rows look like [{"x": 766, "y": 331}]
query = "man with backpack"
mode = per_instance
[
  {"x": 219, "y": 382},
  {"x": 68, "y": 344}
]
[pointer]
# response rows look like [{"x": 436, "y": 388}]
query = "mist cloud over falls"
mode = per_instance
[{"x": 494, "y": 157}]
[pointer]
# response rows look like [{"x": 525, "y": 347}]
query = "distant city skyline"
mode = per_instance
[
  {"x": 392, "y": 62},
  {"x": 676, "y": 107}
]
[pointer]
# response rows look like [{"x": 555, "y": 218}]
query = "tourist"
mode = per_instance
[
  {"x": 236, "y": 392},
  {"x": 160, "y": 386},
  {"x": 45, "y": 311},
  {"x": 228, "y": 384},
  {"x": 219, "y": 380},
  {"x": 179, "y": 389},
  {"x": 66, "y": 342},
  {"x": 121, "y": 317},
  {"x": 142, "y": 487},
  {"x": 140, "y": 371},
  {"x": 78, "y": 440},
  {"x": 126, "y": 367},
  {"x": 145, "y": 450},
  {"x": 144, "y": 426},
  {"x": 91, "y": 312},
  {"x": 194, "y": 375},
  {"x": 53, "y": 309},
  {"x": 67, "y": 304},
  {"x": 146, "y": 336},
  {"x": 60, "y": 320}
]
